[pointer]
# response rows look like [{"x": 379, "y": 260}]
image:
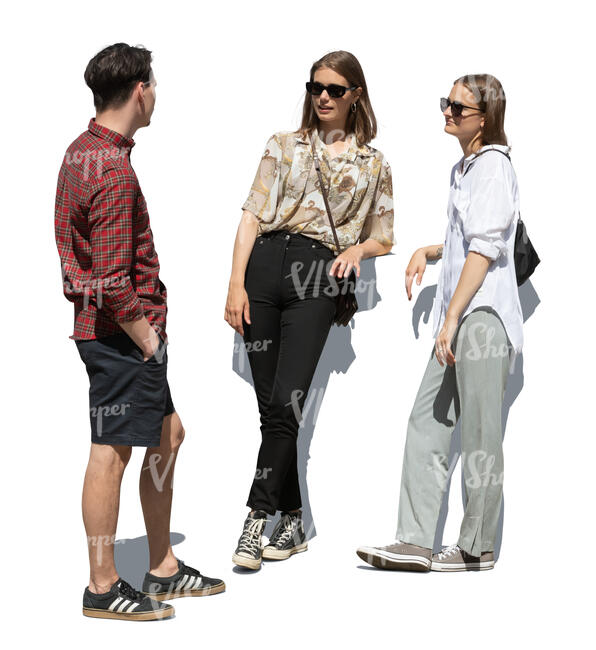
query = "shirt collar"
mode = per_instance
[
  {"x": 117, "y": 139},
  {"x": 466, "y": 161},
  {"x": 353, "y": 150}
]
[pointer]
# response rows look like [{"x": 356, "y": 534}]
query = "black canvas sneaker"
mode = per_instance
[
  {"x": 125, "y": 603},
  {"x": 287, "y": 538},
  {"x": 185, "y": 582},
  {"x": 249, "y": 551}
]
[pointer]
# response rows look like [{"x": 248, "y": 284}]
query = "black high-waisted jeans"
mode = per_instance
[{"x": 291, "y": 313}]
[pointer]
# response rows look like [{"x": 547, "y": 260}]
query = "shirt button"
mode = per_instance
[{"x": 287, "y": 236}]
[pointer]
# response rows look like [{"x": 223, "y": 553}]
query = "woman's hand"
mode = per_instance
[
  {"x": 346, "y": 261},
  {"x": 237, "y": 306},
  {"x": 443, "y": 342},
  {"x": 417, "y": 266}
]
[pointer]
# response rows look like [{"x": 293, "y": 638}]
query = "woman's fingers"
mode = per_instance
[
  {"x": 450, "y": 357},
  {"x": 409, "y": 278}
]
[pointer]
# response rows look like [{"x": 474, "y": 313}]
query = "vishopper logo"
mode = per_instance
[
  {"x": 315, "y": 398},
  {"x": 153, "y": 467},
  {"x": 250, "y": 346},
  {"x": 480, "y": 337},
  {"x": 262, "y": 472},
  {"x": 100, "y": 542},
  {"x": 477, "y": 464},
  {"x": 100, "y": 412},
  {"x": 97, "y": 156},
  {"x": 314, "y": 278},
  {"x": 92, "y": 288}
]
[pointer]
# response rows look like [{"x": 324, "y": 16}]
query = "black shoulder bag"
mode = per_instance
[
  {"x": 525, "y": 256},
  {"x": 346, "y": 304}
]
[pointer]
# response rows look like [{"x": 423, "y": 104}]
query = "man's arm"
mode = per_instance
[{"x": 112, "y": 203}]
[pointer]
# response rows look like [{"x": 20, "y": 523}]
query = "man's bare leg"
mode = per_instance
[
  {"x": 155, "y": 487},
  {"x": 101, "y": 502}
]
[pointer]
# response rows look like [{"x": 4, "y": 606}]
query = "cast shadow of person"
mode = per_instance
[
  {"x": 131, "y": 556},
  {"x": 421, "y": 311},
  {"x": 337, "y": 356}
]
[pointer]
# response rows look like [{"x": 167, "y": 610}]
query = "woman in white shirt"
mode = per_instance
[{"x": 478, "y": 330}]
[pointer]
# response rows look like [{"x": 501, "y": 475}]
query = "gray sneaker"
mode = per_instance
[
  {"x": 399, "y": 556},
  {"x": 453, "y": 558},
  {"x": 287, "y": 538},
  {"x": 249, "y": 551}
]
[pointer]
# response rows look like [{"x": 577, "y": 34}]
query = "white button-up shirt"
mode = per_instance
[{"x": 483, "y": 211}]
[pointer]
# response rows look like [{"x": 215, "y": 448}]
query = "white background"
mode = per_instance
[{"x": 229, "y": 75}]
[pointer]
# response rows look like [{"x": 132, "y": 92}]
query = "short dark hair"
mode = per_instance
[{"x": 113, "y": 73}]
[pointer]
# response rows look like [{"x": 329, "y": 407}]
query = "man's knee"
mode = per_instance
[
  {"x": 177, "y": 437},
  {"x": 110, "y": 457}
]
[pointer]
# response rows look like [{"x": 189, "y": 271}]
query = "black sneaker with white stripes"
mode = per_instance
[
  {"x": 125, "y": 603},
  {"x": 185, "y": 582}
]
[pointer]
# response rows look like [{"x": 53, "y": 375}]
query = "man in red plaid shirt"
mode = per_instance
[{"x": 110, "y": 272}]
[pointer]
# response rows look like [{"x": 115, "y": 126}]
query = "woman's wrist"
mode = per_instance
[
  {"x": 236, "y": 282},
  {"x": 433, "y": 252}
]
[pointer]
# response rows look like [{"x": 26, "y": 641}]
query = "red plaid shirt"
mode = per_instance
[{"x": 110, "y": 268}]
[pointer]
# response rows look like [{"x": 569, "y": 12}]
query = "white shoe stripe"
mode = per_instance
[
  {"x": 114, "y": 603},
  {"x": 124, "y": 604},
  {"x": 190, "y": 583},
  {"x": 133, "y": 606},
  {"x": 182, "y": 583}
]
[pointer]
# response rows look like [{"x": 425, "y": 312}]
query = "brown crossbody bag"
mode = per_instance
[{"x": 346, "y": 304}]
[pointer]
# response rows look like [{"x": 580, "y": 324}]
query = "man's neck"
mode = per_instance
[{"x": 116, "y": 121}]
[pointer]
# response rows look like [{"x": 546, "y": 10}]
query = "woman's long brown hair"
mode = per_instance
[
  {"x": 490, "y": 97},
  {"x": 362, "y": 122}
]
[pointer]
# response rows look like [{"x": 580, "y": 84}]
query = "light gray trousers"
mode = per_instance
[{"x": 473, "y": 388}]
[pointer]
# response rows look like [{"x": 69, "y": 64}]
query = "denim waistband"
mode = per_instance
[{"x": 295, "y": 239}]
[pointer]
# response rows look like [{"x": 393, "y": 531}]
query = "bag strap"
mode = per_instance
[
  {"x": 479, "y": 154},
  {"x": 324, "y": 192},
  {"x": 505, "y": 154}
]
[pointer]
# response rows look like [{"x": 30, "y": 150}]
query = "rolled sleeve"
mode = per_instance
[
  {"x": 378, "y": 223},
  {"x": 263, "y": 195},
  {"x": 488, "y": 217},
  {"x": 112, "y": 204}
]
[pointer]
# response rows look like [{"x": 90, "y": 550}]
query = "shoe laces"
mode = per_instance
[
  {"x": 283, "y": 531},
  {"x": 448, "y": 551},
  {"x": 129, "y": 591},
  {"x": 250, "y": 540},
  {"x": 188, "y": 570}
]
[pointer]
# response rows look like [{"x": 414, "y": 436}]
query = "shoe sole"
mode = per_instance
[
  {"x": 472, "y": 566},
  {"x": 168, "y": 595},
  {"x": 246, "y": 562},
  {"x": 133, "y": 616},
  {"x": 393, "y": 562},
  {"x": 275, "y": 554}
]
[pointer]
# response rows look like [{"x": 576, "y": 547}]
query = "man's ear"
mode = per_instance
[{"x": 140, "y": 93}]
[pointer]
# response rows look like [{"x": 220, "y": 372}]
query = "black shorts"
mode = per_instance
[{"x": 128, "y": 397}]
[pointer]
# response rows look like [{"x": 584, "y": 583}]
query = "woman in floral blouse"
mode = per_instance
[{"x": 285, "y": 273}]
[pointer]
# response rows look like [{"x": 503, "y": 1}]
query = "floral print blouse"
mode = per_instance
[{"x": 285, "y": 193}]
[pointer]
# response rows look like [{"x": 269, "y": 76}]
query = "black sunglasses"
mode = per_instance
[
  {"x": 333, "y": 90},
  {"x": 456, "y": 107}
]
